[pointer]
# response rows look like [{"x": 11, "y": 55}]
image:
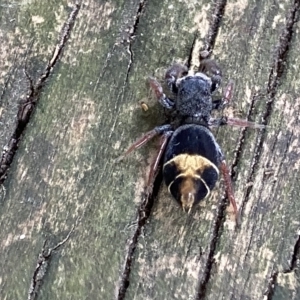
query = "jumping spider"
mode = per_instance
[{"x": 192, "y": 157}]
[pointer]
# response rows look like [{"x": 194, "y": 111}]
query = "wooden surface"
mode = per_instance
[{"x": 75, "y": 224}]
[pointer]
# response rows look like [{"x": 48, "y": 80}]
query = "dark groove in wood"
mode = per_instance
[
  {"x": 26, "y": 108},
  {"x": 277, "y": 69},
  {"x": 271, "y": 286},
  {"x": 43, "y": 263},
  {"x": 127, "y": 42},
  {"x": 276, "y": 73},
  {"x": 293, "y": 265},
  {"x": 146, "y": 205},
  {"x": 217, "y": 230},
  {"x": 295, "y": 257},
  {"x": 241, "y": 141},
  {"x": 143, "y": 214},
  {"x": 133, "y": 32},
  {"x": 203, "y": 281},
  {"x": 217, "y": 16}
]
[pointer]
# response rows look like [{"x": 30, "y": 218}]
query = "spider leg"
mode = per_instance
[
  {"x": 146, "y": 138},
  {"x": 229, "y": 190},
  {"x": 210, "y": 68},
  {"x": 228, "y": 92},
  {"x": 244, "y": 123},
  {"x": 154, "y": 166},
  {"x": 227, "y": 96},
  {"x": 173, "y": 73},
  {"x": 219, "y": 104},
  {"x": 158, "y": 91},
  {"x": 216, "y": 122}
]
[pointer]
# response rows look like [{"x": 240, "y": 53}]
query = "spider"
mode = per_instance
[{"x": 192, "y": 158}]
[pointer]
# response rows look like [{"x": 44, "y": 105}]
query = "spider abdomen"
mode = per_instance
[{"x": 191, "y": 164}]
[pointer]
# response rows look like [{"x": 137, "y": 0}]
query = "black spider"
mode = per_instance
[{"x": 192, "y": 157}]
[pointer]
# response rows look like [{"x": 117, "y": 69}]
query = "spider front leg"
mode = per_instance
[
  {"x": 219, "y": 104},
  {"x": 210, "y": 68},
  {"x": 173, "y": 73},
  {"x": 227, "y": 96},
  {"x": 146, "y": 138},
  {"x": 216, "y": 122},
  {"x": 159, "y": 93}
]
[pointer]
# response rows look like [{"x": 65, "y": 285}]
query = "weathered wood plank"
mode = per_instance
[
  {"x": 285, "y": 274},
  {"x": 246, "y": 265},
  {"x": 18, "y": 50},
  {"x": 180, "y": 259},
  {"x": 51, "y": 187},
  {"x": 65, "y": 175},
  {"x": 168, "y": 255}
]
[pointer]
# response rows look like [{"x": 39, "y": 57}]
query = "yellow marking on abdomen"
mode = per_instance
[{"x": 190, "y": 164}]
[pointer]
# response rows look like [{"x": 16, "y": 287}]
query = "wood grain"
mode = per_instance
[{"x": 65, "y": 180}]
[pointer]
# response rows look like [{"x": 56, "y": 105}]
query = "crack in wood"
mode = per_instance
[
  {"x": 42, "y": 266},
  {"x": 295, "y": 261},
  {"x": 210, "y": 40},
  {"x": 217, "y": 230},
  {"x": 27, "y": 106},
  {"x": 127, "y": 41},
  {"x": 271, "y": 286},
  {"x": 217, "y": 16},
  {"x": 143, "y": 211},
  {"x": 241, "y": 140},
  {"x": 143, "y": 214},
  {"x": 274, "y": 80},
  {"x": 133, "y": 31},
  {"x": 275, "y": 76},
  {"x": 294, "y": 264}
]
